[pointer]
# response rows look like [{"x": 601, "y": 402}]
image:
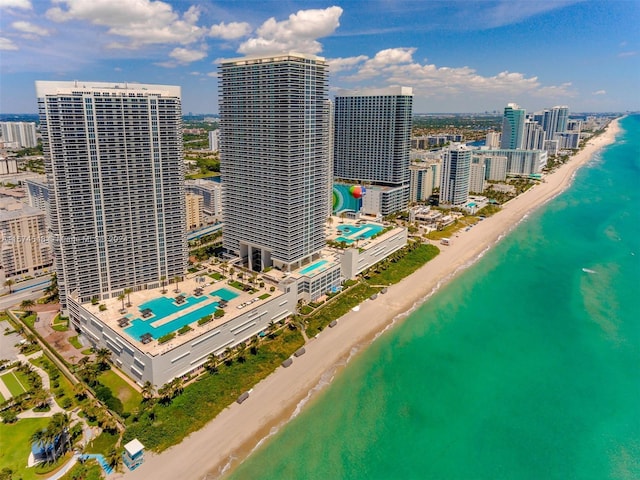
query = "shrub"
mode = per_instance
[
  {"x": 167, "y": 337},
  {"x": 219, "y": 313}
]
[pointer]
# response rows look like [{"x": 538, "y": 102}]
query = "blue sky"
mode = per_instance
[{"x": 459, "y": 56}]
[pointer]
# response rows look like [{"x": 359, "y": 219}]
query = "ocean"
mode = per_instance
[{"x": 526, "y": 366}]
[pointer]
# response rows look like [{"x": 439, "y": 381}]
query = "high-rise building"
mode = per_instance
[
  {"x": 495, "y": 165},
  {"x": 211, "y": 193},
  {"x": 513, "y": 127},
  {"x": 493, "y": 140},
  {"x": 24, "y": 246},
  {"x": 372, "y": 143},
  {"x": 194, "y": 210},
  {"x": 214, "y": 140},
  {"x": 113, "y": 158},
  {"x": 534, "y": 136},
  {"x": 274, "y": 158},
  {"x": 477, "y": 175},
  {"x": 456, "y": 166},
  {"x": 425, "y": 177},
  {"x": 553, "y": 120},
  {"x": 19, "y": 134}
]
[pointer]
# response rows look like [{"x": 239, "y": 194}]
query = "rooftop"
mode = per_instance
[{"x": 154, "y": 314}]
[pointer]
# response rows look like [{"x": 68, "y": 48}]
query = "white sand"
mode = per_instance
[{"x": 236, "y": 431}]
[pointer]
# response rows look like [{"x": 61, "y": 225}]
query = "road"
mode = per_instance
[{"x": 29, "y": 289}]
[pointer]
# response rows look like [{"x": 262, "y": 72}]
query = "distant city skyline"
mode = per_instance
[{"x": 459, "y": 56}]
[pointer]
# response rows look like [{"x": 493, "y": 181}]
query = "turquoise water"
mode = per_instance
[
  {"x": 359, "y": 232},
  {"x": 313, "y": 266},
  {"x": 163, "y": 307},
  {"x": 525, "y": 367}
]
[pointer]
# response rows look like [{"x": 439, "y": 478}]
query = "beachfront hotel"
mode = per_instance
[
  {"x": 113, "y": 158},
  {"x": 372, "y": 141},
  {"x": 274, "y": 161},
  {"x": 456, "y": 171}
]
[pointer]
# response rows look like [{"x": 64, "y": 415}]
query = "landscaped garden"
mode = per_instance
[{"x": 15, "y": 446}]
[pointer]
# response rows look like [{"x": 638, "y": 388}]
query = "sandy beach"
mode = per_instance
[{"x": 230, "y": 437}]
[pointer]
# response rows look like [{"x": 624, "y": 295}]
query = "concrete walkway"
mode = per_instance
[{"x": 46, "y": 385}]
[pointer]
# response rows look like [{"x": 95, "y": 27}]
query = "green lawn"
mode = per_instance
[
  {"x": 13, "y": 384},
  {"x": 2, "y": 399},
  {"x": 129, "y": 397},
  {"x": 15, "y": 446},
  {"x": 103, "y": 443},
  {"x": 74, "y": 341}
]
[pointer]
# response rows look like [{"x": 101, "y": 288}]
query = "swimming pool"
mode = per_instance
[
  {"x": 313, "y": 266},
  {"x": 351, "y": 233},
  {"x": 163, "y": 307}
]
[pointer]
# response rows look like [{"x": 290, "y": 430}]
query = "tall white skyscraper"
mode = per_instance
[
  {"x": 113, "y": 158},
  {"x": 513, "y": 127},
  {"x": 456, "y": 170},
  {"x": 274, "y": 158},
  {"x": 373, "y": 140}
]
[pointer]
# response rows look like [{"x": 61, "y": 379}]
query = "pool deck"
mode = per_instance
[{"x": 113, "y": 313}]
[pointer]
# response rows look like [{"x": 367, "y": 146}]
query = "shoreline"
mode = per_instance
[{"x": 238, "y": 430}]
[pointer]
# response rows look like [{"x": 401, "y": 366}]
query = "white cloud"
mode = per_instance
[
  {"x": 230, "y": 31},
  {"x": 299, "y": 32},
  {"x": 23, "y": 4},
  {"x": 346, "y": 63},
  {"x": 627, "y": 54},
  {"x": 599, "y": 92},
  {"x": 6, "y": 44},
  {"x": 185, "y": 55},
  {"x": 30, "y": 29},
  {"x": 395, "y": 66},
  {"x": 213, "y": 74},
  {"x": 141, "y": 22}
]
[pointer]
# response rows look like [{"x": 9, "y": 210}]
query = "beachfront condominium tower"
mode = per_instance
[
  {"x": 513, "y": 127},
  {"x": 274, "y": 158},
  {"x": 554, "y": 120},
  {"x": 456, "y": 171},
  {"x": 372, "y": 142},
  {"x": 113, "y": 158}
]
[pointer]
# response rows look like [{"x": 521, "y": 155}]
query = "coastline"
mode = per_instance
[{"x": 234, "y": 433}]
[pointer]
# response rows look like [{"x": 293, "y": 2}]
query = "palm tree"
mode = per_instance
[
  {"x": 231, "y": 272},
  {"x": 113, "y": 458},
  {"x": 26, "y": 306},
  {"x": 177, "y": 386},
  {"x": 177, "y": 280},
  {"x": 147, "y": 390},
  {"x": 211, "y": 365},
  {"x": 121, "y": 298},
  {"x": 162, "y": 280},
  {"x": 39, "y": 438},
  {"x": 228, "y": 359},
  {"x": 102, "y": 357},
  {"x": 242, "y": 347},
  {"x": 224, "y": 266},
  {"x": 79, "y": 390},
  {"x": 40, "y": 398},
  {"x": 9, "y": 283},
  {"x": 128, "y": 292}
]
